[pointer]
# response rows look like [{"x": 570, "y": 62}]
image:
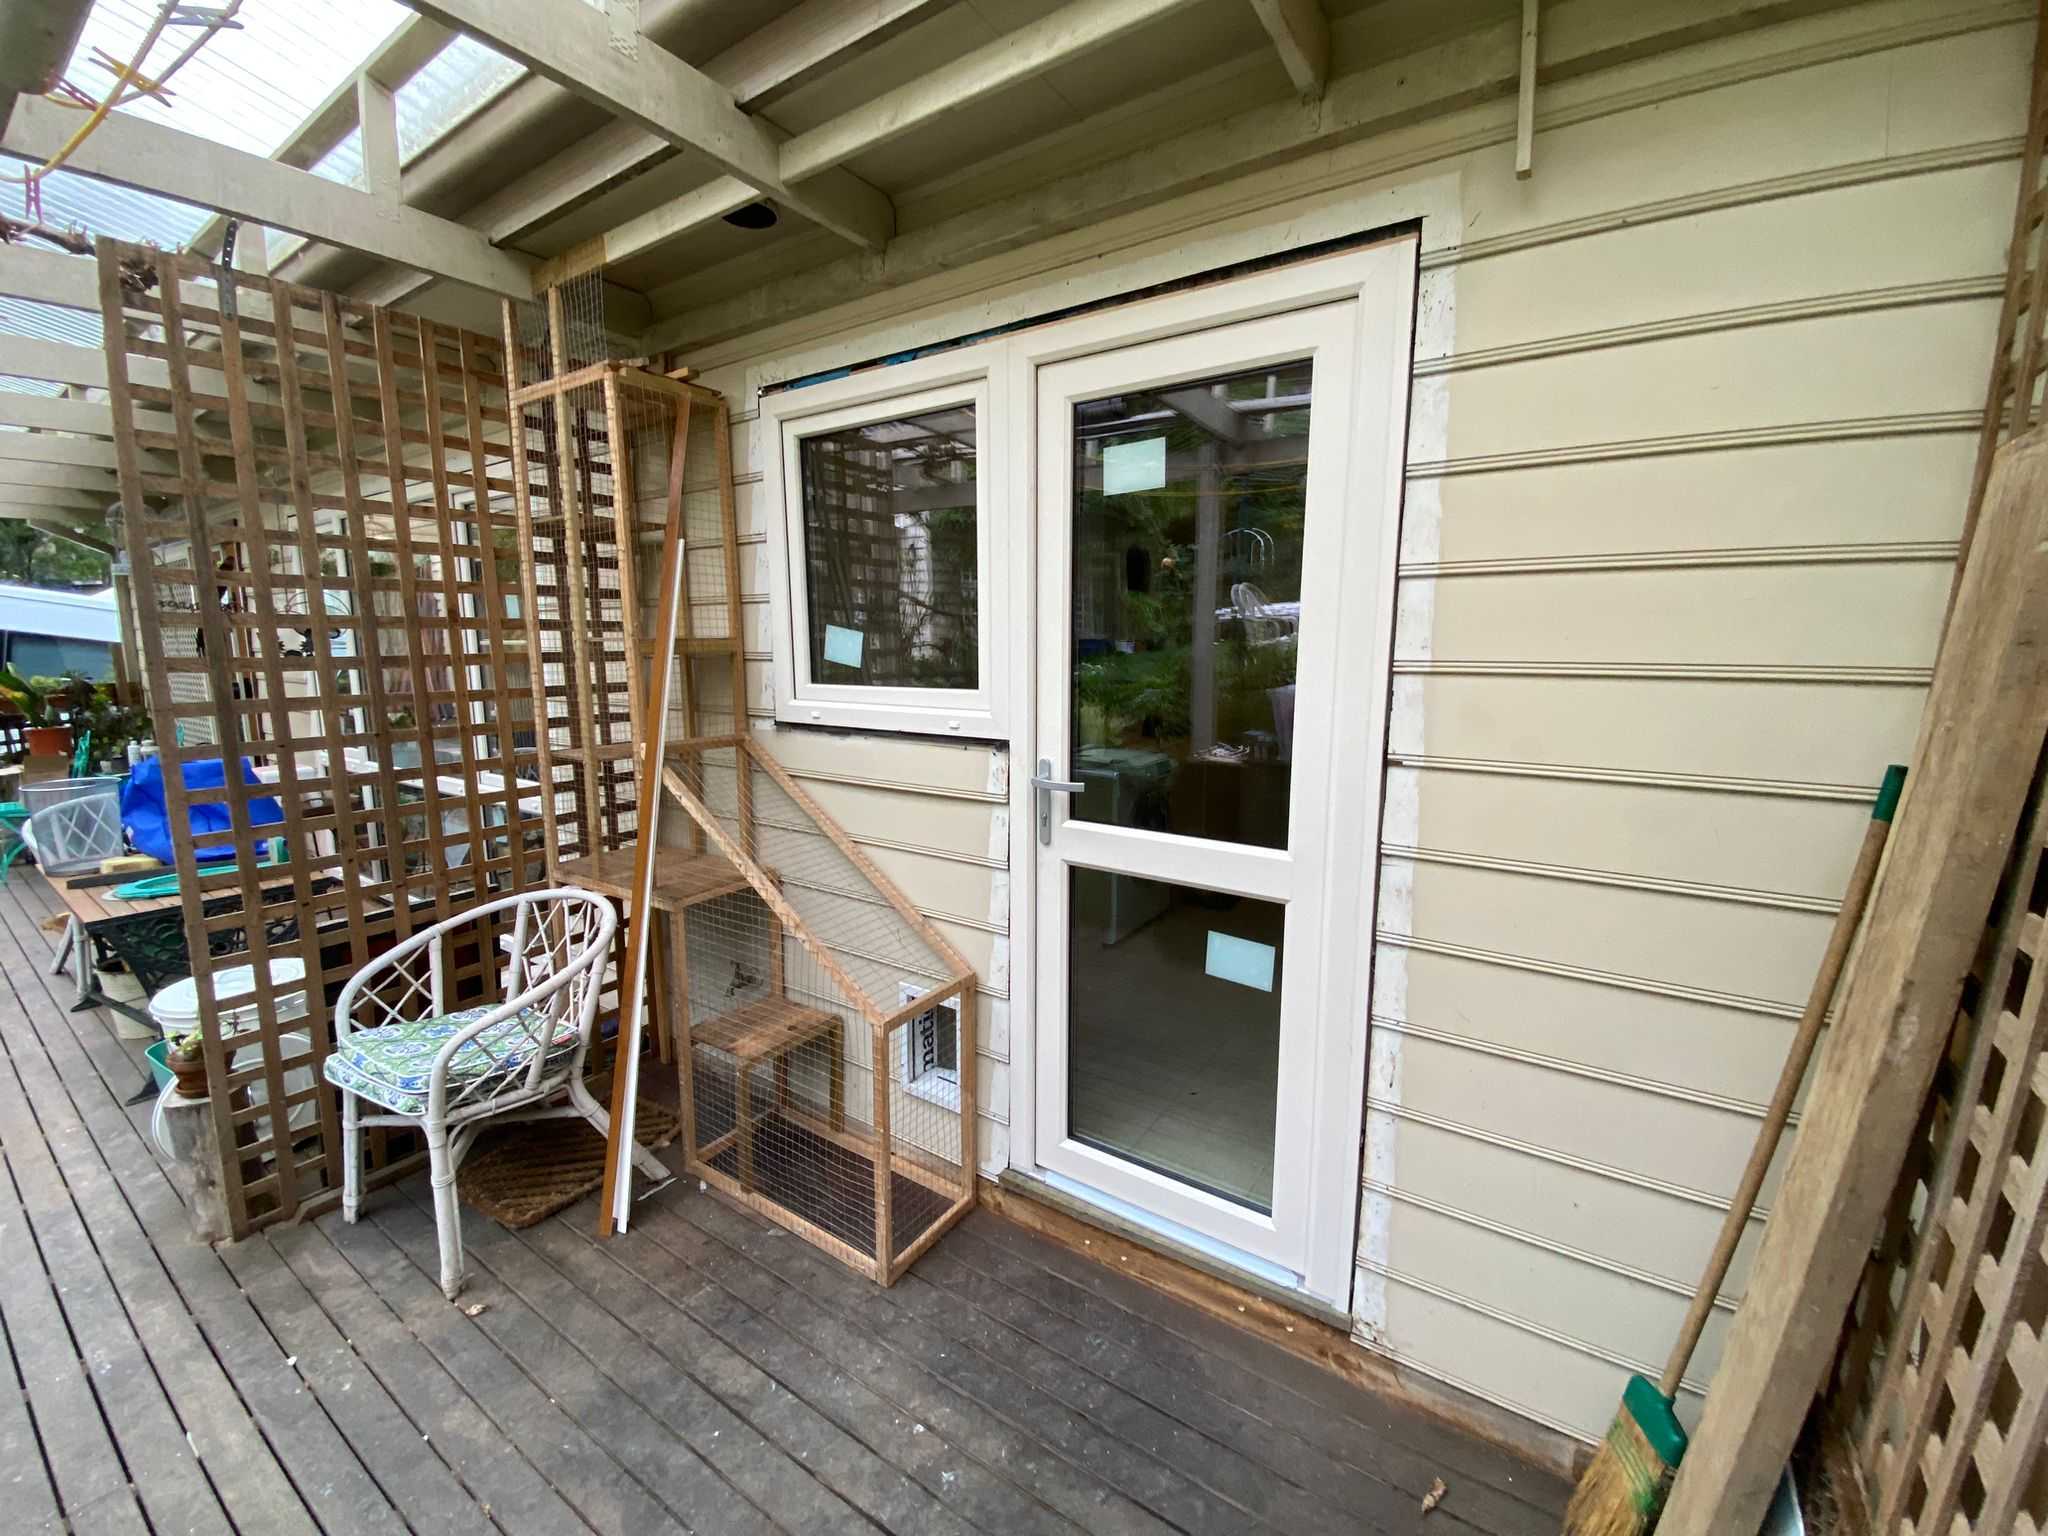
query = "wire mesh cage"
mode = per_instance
[
  {"x": 325, "y": 571},
  {"x": 827, "y": 1032}
]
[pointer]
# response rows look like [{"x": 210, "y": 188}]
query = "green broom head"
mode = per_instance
[{"x": 1624, "y": 1488}]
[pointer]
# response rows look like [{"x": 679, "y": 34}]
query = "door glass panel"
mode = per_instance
[
  {"x": 1189, "y": 505},
  {"x": 1173, "y": 1043}
]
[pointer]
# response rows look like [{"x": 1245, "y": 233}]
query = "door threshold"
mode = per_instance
[{"x": 1112, "y": 1216}]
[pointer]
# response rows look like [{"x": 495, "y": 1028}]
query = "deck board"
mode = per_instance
[{"x": 704, "y": 1372}]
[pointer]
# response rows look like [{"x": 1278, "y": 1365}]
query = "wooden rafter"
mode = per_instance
[
  {"x": 1301, "y": 36},
  {"x": 651, "y": 87},
  {"x": 133, "y": 152}
]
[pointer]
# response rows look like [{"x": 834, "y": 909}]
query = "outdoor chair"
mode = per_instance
[{"x": 403, "y": 1057}]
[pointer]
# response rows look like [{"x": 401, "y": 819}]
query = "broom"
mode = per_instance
[{"x": 1623, "y": 1489}]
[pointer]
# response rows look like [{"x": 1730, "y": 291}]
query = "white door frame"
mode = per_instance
[{"x": 1381, "y": 280}]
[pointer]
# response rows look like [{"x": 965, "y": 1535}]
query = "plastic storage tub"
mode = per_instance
[{"x": 176, "y": 1007}]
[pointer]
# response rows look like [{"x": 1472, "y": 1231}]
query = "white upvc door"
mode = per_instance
[{"x": 1215, "y": 514}]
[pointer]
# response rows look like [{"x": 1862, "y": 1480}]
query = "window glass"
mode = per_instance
[
  {"x": 891, "y": 582},
  {"x": 1190, "y": 511}
]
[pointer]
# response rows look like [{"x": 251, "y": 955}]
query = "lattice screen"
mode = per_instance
[
  {"x": 327, "y": 581},
  {"x": 1942, "y": 1380},
  {"x": 1945, "y": 1381}
]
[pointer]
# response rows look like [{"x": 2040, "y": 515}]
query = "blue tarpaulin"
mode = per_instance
[{"x": 147, "y": 822}]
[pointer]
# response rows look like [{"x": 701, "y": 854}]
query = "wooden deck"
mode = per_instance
[{"x": 705, "y": 1373}]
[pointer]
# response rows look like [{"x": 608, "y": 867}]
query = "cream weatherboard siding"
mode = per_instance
[{"x": 1690, "y": 432}]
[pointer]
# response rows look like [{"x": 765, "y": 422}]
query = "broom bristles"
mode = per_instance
[{"x": 1623, "y": 1488}]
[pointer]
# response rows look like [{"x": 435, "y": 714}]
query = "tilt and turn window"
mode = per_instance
[{"x": 886, "y": 616}]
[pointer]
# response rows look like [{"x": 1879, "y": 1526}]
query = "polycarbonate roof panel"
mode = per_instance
[{"x": 248, "y": 88}]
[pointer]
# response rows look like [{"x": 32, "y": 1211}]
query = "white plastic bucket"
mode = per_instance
[{"x": 176, "y": 1007}]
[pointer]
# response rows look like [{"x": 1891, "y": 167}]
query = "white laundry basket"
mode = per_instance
[{"x": 73, "y": 835}]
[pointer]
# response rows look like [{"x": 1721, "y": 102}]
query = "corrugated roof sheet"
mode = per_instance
[{"x": 249, "y": 87}]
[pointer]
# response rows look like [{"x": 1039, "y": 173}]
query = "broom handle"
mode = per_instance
[{"x": 1847, "y": 918}]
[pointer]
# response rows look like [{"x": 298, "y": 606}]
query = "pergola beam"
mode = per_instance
[
  {"x": 796, "y": 47},
  {"x": 1301, "y": 36},
  {"x": 18, "y": 474},
  {"x": 50, "y": 277},
  {"x": 409, "y": 48},
  {"x": 649, "y": 86},
  {"x": 1074, "y": 29},
  {"x": 821, "y": 152},
  {"x": 48, "y": 448},
  {"x": 48, "y": 413},
  {"x": 133, "y": 152}
]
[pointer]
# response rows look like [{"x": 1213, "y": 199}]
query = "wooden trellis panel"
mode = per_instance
[
  {"x": 1952, "y": 1407},
  {"x": 326, "y": 565}
]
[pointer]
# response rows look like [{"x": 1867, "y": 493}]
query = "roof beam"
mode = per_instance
[
  {"x": 798, "y": 46},
  {"x": 1072, "y": 30},
  {"x": 47, "y": 448},
  {"x": 1434, "y": 81},
  {"x": 1301, "y": 36},
  {"x": 50, "y": 277},
  {"x": 46, "y": 413},
  {"x": 36, "y": 501},
  {"x": 133, "y": 152},
  {"x": 411, "y": 46},
  {"x": 58, "y": 477},
  {"x": 651, "y": 87},
  {"x": 1014, "y": 57}
]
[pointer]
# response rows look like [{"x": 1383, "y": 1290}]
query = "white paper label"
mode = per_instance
[
  {"x": 843, "y": 645},
  {"x": 1139, "y": 466},
  {"x": 1243, "y": 961}
]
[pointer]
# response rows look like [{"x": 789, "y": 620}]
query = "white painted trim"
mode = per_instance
[
  {"x": 786, "y": 418},
  {"x": 1312, "y": 1227}
]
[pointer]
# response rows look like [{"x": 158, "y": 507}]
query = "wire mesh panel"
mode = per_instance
[
  {"x": 828, "y": 1032},
  {"x": 326, "y": 574}
]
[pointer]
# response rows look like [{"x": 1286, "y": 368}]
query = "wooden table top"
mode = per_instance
[{"x": 682, "y": 878}]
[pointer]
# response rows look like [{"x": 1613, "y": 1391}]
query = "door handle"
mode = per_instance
[{"x": 1048, "y": 786}]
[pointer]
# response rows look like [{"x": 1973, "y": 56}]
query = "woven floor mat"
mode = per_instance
[{"x": 522, "y": 1174}]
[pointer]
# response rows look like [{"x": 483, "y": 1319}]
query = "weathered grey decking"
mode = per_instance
[{"x": 704, "y": 1373}]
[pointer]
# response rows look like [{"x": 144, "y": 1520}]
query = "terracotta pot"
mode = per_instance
[
  {"x": 49, "y": 741},
  {"x": 190, "y": 1071}
]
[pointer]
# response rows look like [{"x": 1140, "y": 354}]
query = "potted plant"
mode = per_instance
[
  {"x": 187, "y": 1060},
  {"x": 46, "y": 705},
  {"x": 113, "y": 725}
]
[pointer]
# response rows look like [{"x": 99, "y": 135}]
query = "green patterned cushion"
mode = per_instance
[{"x": 394, "y": 1065}]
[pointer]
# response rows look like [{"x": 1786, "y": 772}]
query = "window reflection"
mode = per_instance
[
  {"x": 891, "y": 583},
  {"x": 1189, "y": 505}
]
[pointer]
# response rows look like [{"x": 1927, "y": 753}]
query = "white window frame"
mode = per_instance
[{"x": 787, "y": 417}]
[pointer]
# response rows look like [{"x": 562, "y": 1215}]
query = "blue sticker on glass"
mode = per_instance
[
  {"x": 843, "y": 646},
  {"x": 1247, "y": 963},
  {"x": 1139, "y": 466}
]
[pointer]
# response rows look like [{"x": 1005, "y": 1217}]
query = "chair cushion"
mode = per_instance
[{"x": 393, "y": 1065}]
